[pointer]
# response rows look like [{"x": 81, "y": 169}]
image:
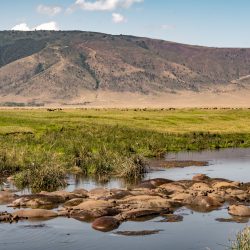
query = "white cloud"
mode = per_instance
[
  {"x": 49, "y": 10},
  {"x": 118, "y": 18},
  {"x": 21, "y": 27},
  {"x": 102, "y": 5},
  {"x": 47, "y": 26},
  {"x": 167, "y": 27},
  {"x": 43, "y": 26},
  {"x": 128, "y": 3}
]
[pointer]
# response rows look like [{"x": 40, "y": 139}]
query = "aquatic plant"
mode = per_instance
[
  {"x": 242, "y": 241},
  {"x": 43, "y": 178},
  {"x": 132, "y": 168},
  {"x": 46, "y": 172},
  {"x": 103, "y": 162}
]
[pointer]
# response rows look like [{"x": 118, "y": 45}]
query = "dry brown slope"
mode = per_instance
[{"x": 72, "y": 64}]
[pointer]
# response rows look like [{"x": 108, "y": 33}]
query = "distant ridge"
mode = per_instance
[{"x": 63, "y": 65}]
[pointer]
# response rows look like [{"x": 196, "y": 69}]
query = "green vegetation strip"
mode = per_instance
[{"x": 39, "y": 147}]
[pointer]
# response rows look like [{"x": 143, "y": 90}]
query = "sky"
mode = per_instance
[{"x": 216, "y": 23}]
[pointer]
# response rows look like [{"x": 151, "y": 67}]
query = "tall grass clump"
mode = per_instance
[
  {"x": 45, "y": 178},
  {"x": 104, "y": 162},
  {"x": 44, "y": 171},
  {"x": 95, "y": 162},
  {"x": 132, "y": 168},
  {"x": 242, "y": 241},
  {"x": 11, "y": 160}
]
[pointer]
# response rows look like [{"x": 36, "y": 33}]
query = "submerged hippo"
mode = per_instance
[
  {"x": 239, "y": 210},
  {"x": 105, "y": 224},
  {"x": 35, "y": 213}
]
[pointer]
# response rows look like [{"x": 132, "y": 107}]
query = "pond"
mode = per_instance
[{"x": 196, "y": 231}]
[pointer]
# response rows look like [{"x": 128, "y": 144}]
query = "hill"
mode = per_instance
[{"x": 75, "y": 67}]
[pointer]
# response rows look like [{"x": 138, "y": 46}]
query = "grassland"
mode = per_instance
[{"x": 39, "y": 147}]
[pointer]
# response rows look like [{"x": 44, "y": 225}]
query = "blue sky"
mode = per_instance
[{"x": 220, "y": 23}]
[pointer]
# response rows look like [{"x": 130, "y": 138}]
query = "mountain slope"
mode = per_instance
[{"x": 49, "y": 65}]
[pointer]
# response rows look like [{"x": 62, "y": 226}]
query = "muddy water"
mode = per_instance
[{"x": 197, "y": 231}]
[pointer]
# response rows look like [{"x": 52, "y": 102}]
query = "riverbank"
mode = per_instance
[{"x": 39, "y": 147}]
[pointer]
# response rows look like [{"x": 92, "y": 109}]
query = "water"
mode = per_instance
[
  {"x": 197, "y": 231},
  {"x": 232, "y": 164}
]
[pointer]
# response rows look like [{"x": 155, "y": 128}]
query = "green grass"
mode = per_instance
[{"x": 110, "y": 142}]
